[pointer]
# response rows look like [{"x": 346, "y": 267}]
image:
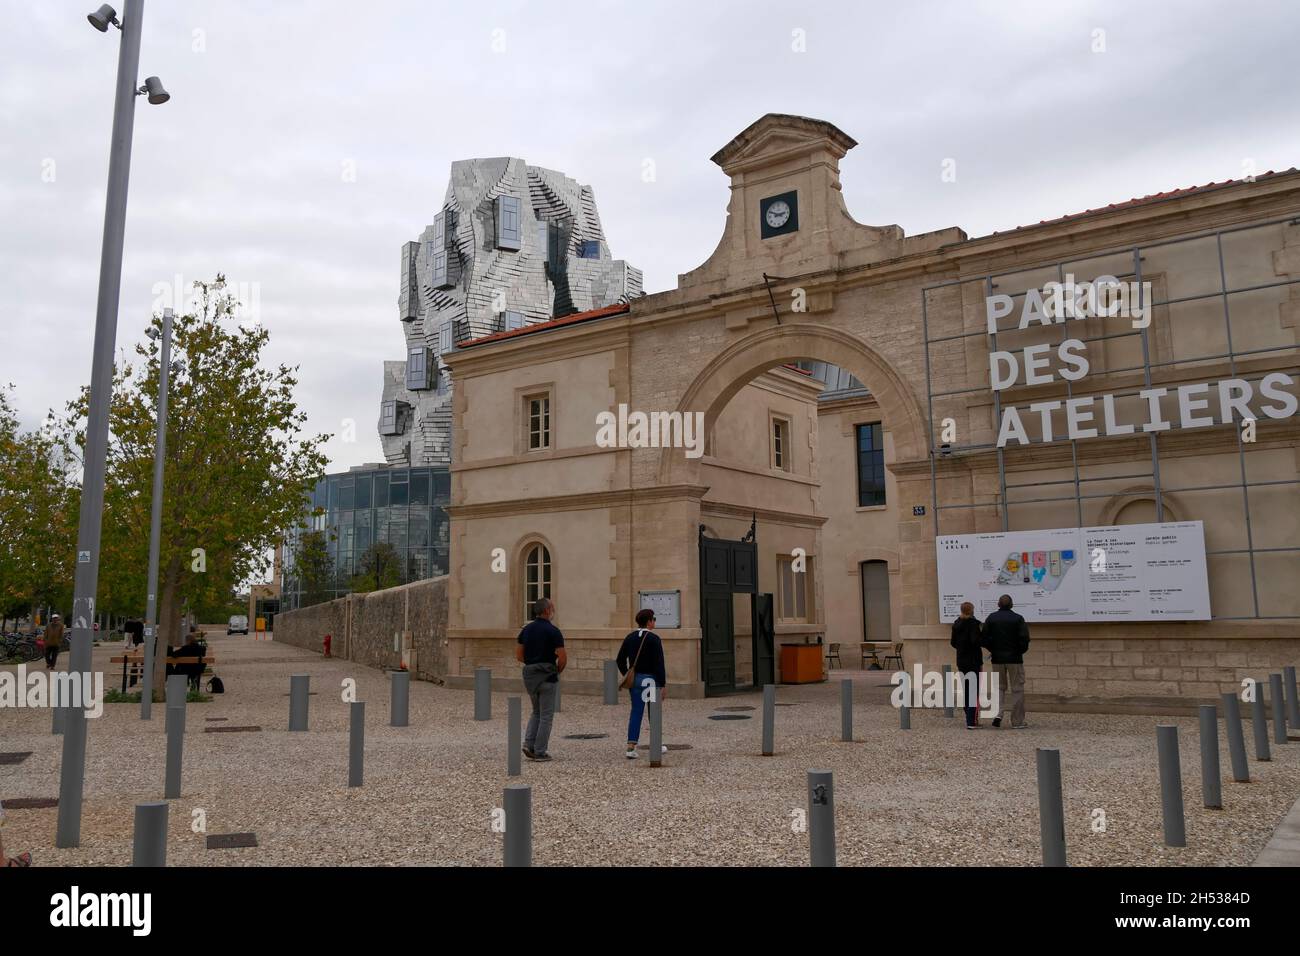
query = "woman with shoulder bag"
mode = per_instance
[{"x": 641, "y": 662}]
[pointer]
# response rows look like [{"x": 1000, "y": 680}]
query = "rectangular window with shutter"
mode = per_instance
[
  {"x": 781, "y": 444},
  {"x": 508, "y": 224},
  {"x": 795, "y": 586}
]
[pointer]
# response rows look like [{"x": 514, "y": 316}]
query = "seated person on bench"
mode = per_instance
[{"x": 191, "y": 648}]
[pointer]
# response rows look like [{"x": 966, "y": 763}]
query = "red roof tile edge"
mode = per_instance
[{"x": 573, "y": 319}]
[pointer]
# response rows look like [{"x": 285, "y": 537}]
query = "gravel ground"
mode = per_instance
[{"x": 935, "y": 795}]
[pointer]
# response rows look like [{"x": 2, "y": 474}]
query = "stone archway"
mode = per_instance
[{"x": 735, "y": 366}]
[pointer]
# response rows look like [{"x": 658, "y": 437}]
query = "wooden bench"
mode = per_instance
[{"x": 136, "y": 663}]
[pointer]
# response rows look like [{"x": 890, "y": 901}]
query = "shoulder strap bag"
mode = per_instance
[{"x": 630, "y": 676}]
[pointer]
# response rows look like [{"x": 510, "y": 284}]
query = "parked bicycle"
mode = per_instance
[{"x": 18, "y": 649}]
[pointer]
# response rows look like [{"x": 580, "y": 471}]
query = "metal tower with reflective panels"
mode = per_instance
[{"x": 513, "y": 245}]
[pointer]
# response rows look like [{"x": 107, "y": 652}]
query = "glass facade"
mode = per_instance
[{"x": 356, "y": 514}]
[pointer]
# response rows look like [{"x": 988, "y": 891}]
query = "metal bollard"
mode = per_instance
[
  {"x": 175, "y": 750},
  {"x": 611, "y": 682},
  {"x": 399, "y": 694},
  {"x": 904, "y": 717},
  {"x": 821, "y": 817},
  {"x": 1292, "y": 702},
  {"x": 150, "y": 837},
  {"x": 656, "y": 730},
  {"x": 176, "y": 689},
  {"x": 514, "y": 736},
  {"x": 1051, "y": 809},
  {"x": 1211, "y": 789},
  {"x": 1259, "y": 724},
  {"x": 356, "y": 742},
  {"x": 299, "y": 688},
  {"x": 58, "y": 720},
  {"x": 482, "y": 693},
  {"x": 519, "y": 825},
  {"x": 769, "y": 719},
  {"x": 1171, "y": 785},
  {"x": 846, "y": 711},
  {"x": 1278, "y": 703},
  {"x": 947, "y": 690},
  {"x": 1236, "y": 738}
]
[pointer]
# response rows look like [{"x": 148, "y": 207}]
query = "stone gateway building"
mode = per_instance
[{"x": 770, "y": 453}]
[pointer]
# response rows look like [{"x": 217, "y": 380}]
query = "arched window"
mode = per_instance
[{"x": 537, "y": 577}]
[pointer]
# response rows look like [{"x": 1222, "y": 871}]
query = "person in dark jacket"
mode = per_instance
[
  {"x": 541, "y": 650},
  {"x": 193, "y": 673},
  {"x": 642, "y": 653},
  {"x": 970, "y": 660},
  {"x": 1006, "y": 635}
]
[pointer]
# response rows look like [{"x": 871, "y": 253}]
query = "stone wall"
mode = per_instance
[
  {"x": 1136, "y": 670},
  {"x": 383, "y": 629}
]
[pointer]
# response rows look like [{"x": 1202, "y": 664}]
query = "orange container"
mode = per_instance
[{"x": 801, "y": 664}]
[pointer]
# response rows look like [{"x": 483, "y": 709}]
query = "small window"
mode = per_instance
[
  {"x": 590, "y": 249},
  {"x": 507, "y": 221},
  {"x": 537, "y": 422},
  {"x": 439, "y": 276},
  {"x": 418, "y": 368},
  {"x": 795, "y": 587},
  {"x": 388, "y": 418},
  {"x": 439, "y": 231},
  {"x": 512, "y": 320},
  {"x": 444, "y": 338},
  {"x": 537, "y": 578},
  {"x": 781, "y": 444},
  {"x": 871, "y": 465}
]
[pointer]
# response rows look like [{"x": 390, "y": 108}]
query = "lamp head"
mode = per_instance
[
  {"x": 157, "y": 95},
  {"x": 102, "y": 17}
]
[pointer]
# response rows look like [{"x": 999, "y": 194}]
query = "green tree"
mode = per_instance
[
  {"x": 38, "y": 517},
  {"x": 237, "y": 470},
  {"x": 314, "y": 568},
  {"x": 380, "y": 568}
]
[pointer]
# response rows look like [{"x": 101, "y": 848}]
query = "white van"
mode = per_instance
[{"x": 238, "y": 625}]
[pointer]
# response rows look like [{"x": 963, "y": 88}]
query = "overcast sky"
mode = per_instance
[{"x": 305, "y": 142}]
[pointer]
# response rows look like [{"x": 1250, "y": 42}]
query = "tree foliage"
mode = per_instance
[
  {"x": 38, "y": 518},
  {"x": 314, "y": 568},
  {"x": 238, "y": 466},
  {"x": 379, "y": 568}
]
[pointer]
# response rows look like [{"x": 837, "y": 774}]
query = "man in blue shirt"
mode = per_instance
[{"x": 541, "y": 651}]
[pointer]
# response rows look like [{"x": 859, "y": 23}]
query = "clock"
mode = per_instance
[{"x": 779, "y": 215}]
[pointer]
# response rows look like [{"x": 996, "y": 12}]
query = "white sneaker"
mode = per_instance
[
  {"x": 630, "y": 754},
  {"x": 663, "y": 749}
]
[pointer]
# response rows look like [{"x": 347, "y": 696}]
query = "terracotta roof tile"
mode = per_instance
[
  {"x": 553, "y": 323},
  {"x": 1141, "y": 200}
]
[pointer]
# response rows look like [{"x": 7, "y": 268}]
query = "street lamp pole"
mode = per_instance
[
  {"x": 155, "y": 520},
  {"x": 73, "y": 771}
]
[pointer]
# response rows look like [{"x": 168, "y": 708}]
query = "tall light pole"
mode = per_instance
[
  {"x": 155, "y": 519},
  {"x": 73, "y": 772}
]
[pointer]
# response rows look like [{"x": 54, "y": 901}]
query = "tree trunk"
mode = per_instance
[{"x": 169, "y": 622}]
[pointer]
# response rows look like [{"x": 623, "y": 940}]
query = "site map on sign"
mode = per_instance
[{"x": 1045, "y": 569}]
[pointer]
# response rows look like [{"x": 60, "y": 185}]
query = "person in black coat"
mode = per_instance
[
  {"x": 642, "y": 655},
  {"x": 1006, "y": 635},
  {"x": 970, "y": 660}
]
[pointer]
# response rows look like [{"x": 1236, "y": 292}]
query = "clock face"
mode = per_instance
[{"x": 778, "y": 214}]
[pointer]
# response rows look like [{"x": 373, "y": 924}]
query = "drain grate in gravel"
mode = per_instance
[
  {"x": 9, "y": 759},
  {"x": 230, "y": 730},
  {"x": 585, "y": 736},
  {"x": 669, "y": 746},
  {"x": 729, "y": 717},
  {"x": 216, "y": 718},
  {"x": 31, "y": 803},
  {"x": 231, "y": 841}
]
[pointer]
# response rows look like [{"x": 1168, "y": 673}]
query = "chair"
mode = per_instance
[
  {"x": 869, "y": 657},
  {"x": 896, "y": 656},
  {"x": 833, "y": 656}
]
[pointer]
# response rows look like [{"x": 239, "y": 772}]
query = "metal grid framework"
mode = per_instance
[{"x": 1080, "y": 494}]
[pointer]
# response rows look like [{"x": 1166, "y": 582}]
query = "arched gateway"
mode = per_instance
[{"x": 769, "y": 452}]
